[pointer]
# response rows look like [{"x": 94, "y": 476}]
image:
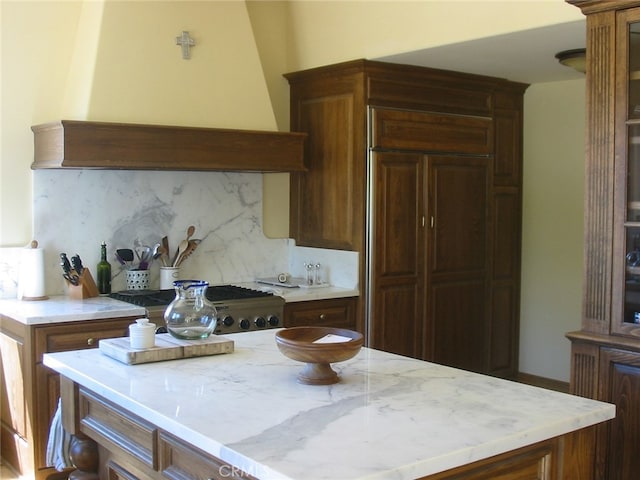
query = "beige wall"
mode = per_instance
[
  {"x": 552, "y": 244},
  {"x": 118, "y": 61},
  {"x": 51, "y": 70}
]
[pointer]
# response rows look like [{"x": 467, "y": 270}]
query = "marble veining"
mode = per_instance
[
  {"x": 390, "y": 417},
  {"x": 75, "y": 210}
]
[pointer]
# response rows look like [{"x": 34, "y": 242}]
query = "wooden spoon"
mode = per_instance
[
  {"x": 190, "y": 231},
  {"x": 181, "y": 248},
  {"x": 189, "y": 250}
]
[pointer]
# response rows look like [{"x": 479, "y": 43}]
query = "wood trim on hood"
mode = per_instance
[{"x": 102, "y": 145}]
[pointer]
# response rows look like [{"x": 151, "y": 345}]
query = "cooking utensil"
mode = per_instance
[
  {"x": 162, "y": 255},
  {"x": 181, "y": 248},
  {"x": 126, "y": 255},
  {"x": 144, "y": 254},
  {"x": 64, "y": 263},
  {"x": 76, "y": 262},
  {"x": 191, "y": 246},
  {"x": 190, "y": 231},
  {"x": 72, "y": 278}
]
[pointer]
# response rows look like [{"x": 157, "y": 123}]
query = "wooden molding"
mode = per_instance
[{"x": 101, "y": 145}]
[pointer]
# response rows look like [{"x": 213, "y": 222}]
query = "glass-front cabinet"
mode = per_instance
[
  {"x": 605, "y": 352},
  {"x": 628, "y": 160}
]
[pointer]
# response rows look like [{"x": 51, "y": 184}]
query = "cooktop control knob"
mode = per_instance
[
  {"x": 260, "y": 322},
  {"x": 273, "y": 320},
  {"x": 244, "y": 324},
  {"x": 227, "y": 321}
]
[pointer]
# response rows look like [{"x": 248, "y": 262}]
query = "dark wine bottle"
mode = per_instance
[{"x": 104, "y": 271}]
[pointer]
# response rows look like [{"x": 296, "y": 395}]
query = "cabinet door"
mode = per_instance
[
  {"x": 620, "y": 384},
  {"x": 61, "y": 338},
  {"x": 397, "y": 246},
  {"x": 15, "y": 391},
  {"x": 327, "y": 201},
  {"x": 626, "y": 296},
  {"x": 457, "y": 245}
]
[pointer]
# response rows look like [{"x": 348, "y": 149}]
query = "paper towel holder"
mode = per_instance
[{"x": 32, "y": 246}]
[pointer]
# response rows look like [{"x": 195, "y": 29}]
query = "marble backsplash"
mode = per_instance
[{"x": 74, "y": 211}]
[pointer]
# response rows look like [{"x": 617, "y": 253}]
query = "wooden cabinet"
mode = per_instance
[
  {"x": 30, "y": 391},
  {"x": 606, "y": 352},
  {"x": 132, "y": 448},
  {"x": 418, "y": 170},
  {"x": 334, "y": 312}
]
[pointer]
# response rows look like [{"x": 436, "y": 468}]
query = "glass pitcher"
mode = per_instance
[{"x": 190, "y": 315}]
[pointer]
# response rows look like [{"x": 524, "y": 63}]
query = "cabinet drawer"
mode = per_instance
[
  {"x": 325, "y": 313},
  {"x": 78, "y": 335},
  {"x": 179, "y": 461},
  {"x": 431, "y": 132},
  {"x": 118, "y": 430}
]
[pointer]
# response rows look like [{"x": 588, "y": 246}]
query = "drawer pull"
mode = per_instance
[
  {"x": 322, "y": 316},
  {"x": 91, "y": 341}
]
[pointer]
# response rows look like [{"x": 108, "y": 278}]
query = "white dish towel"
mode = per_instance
[{"x": 59, "y": 442}]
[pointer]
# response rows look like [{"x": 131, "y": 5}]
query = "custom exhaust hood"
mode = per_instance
[{"x": 102, "y": 145}]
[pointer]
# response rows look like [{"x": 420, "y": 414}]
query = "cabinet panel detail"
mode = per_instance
[
  {"x": 105, "y": 423},
  {"x": 320, "y": 195},
  {"x": 438, "y": 95},
  {"x": 428, "y": 132},
  {"x": 599, "y": 177},
  {"x": 398, "y": 325},
  {"x": 180, "y": 461},
  {"x": 621, "y": 385},
  {"x": 397, "y": 314},
  {"x": 507, "y": 165},
  {"x": 458, "y": 197},
  {"x": 503, "y": 343},
  {"x": 506, "y": 237},
  {"x": 338, "y": 313},
  {"x": 459, "y": 338},
  {"x": 399, "y": 214}
]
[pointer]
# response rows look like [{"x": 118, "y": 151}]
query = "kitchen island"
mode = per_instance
[{"x": 389, "y": 417}]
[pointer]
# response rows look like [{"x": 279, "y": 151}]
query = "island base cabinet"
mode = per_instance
[
  {"x": 568, "y": 457},
  {"x": 132, "y": 448}
]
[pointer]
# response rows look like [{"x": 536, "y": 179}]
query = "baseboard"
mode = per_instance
[{"x": 542, "y": 382}]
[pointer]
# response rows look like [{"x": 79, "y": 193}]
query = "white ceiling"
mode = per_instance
[{"x": 527, "y": 56}]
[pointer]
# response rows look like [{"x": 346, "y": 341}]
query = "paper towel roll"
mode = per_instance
[{"x": 31, "y": 276}]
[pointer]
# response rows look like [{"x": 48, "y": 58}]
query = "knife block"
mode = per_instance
[{"x": 86, "y": 287}]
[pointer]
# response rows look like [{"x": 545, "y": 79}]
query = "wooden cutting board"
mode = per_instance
[{"x": 166, "y": 348}]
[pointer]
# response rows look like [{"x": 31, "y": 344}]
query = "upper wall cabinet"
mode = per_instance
[{"x": 82, "y": 144}]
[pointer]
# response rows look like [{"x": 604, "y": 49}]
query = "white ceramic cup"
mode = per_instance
[
  {"x": 142, "y": 334},
  {"x": 168, "y": 275}
]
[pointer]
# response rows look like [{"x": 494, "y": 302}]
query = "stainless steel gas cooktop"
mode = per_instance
[{"x": 240, "y": 309}]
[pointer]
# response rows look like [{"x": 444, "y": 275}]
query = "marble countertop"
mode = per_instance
[
  {"x": 389, "y": 417},
  {"x": 301, "y": 294},
  {"x": 61, "y": 308},
  {"x": 58, "y": 309}
]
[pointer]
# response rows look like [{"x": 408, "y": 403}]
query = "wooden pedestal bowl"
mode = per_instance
[{"x": 298, "y": 344}]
